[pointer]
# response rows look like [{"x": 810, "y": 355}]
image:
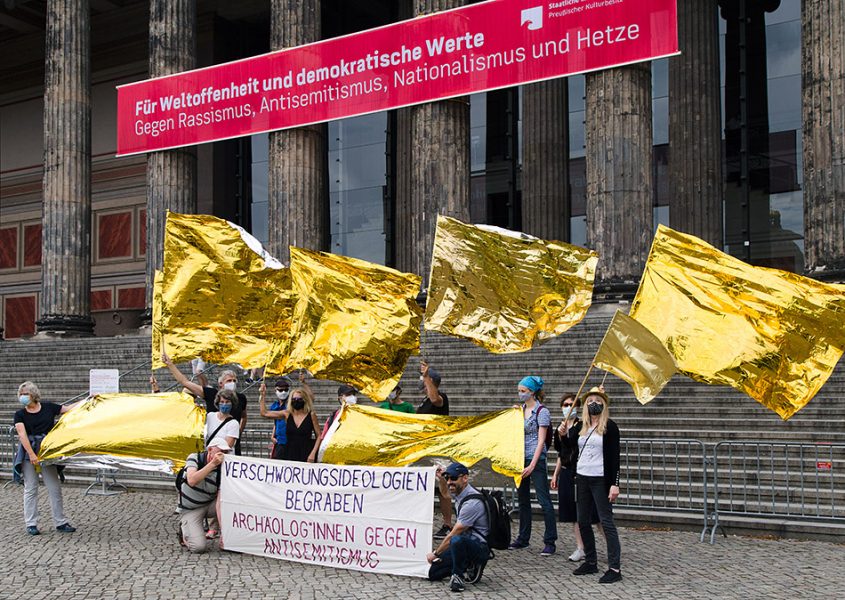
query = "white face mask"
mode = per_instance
[
  {"x": 570, "y": 412},
  {"x": 282, "y": 395},
  {"x": 391, "y": 396},
  {"x": 351, "y": 399},
  {"x": 230, "y": 385}
]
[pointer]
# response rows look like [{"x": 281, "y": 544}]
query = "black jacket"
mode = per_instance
[{"x": 610, "y": 450}]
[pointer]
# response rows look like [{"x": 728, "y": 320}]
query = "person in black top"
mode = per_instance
[
  {"x": 32, "y": 422},
  {"x": 436, "y": 403},
  {"x": 227, "y": 380}
]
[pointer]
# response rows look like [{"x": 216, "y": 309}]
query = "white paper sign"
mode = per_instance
[
  {"x": 103, "y": 381},
  {"x": 372, "y": 519}
]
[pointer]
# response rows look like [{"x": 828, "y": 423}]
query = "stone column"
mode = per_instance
[
  {"x": 298, "y": 179},
  {"x": 695, "y": 140},
  {"x": 404, "y": 214},
  {"x": 439, "y": 161},
  {"x": 171, "y": 174},
  {"x": 545, "y": 161},
  {"x": 66, "y": 220},
  {"x": 823, "y": 85},
  {"x": 619, "y": 173}
]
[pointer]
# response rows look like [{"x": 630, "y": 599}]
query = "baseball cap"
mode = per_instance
[
  {"x": 456, "y": 469},
  {"x": 220, "y": 444},
  {"x": 346, "y": 390}
]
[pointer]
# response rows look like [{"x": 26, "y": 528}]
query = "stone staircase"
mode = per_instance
[{"x": 478, "y": 381}]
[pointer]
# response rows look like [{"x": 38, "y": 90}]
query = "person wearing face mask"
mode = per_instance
[
  {"x": 536, "y": 422},
  {"x": 220, "y": 425},
  {"x": 346, "y": 394},
  {"x": 301, "y": 427},
  {"x": 597, "y": 481},
  {"x": 280, "y": 426},
  {"x": 394, "y": 402},
  {"x": 33, "y": 421},
  {"x": 227, "y": 380}
]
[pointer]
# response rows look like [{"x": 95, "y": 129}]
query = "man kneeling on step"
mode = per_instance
[
  {"x": 198, "y": 494},
  {"x": 463, "y": 553}
]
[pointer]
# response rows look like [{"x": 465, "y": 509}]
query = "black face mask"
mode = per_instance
[
  {"x": 298, "y": 403},
  {"x": 595, "y": 408}
]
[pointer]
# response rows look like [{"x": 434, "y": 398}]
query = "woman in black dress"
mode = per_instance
[{"x": 303, "y": 432}]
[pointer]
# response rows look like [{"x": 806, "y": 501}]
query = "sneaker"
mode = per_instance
[
  {"x": 473, "y": 574},
  {"x": 66, "y": 528},
  {"x": 548, "y": 550},
  {"x": 517, "y": 544},
  {"x": 456, "y": 584},
  {"x": 586, "y": 569},
  {"x": 442, "y": 532},
  {"x": 33, "y": 530},
  {"x": 579, "y": 554},
  {"x": 611, "y": 576}
]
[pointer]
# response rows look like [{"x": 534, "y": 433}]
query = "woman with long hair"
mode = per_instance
[{"x": 301, "y": 427}]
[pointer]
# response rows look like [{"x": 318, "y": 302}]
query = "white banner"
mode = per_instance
[{"x": 373, "y": 519}]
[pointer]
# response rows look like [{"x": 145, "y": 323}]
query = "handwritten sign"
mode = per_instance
[
  {"x": 372, "y": 519},
  {"x": 103, "y": 381}
]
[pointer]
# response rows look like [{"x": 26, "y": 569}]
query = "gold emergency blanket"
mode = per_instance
[
  {"x": 504, "y": 290},
  {"x": 164, "y": 427},
  {"x": 354, "y": 321},
  {"x": 634, "y": 354},
  {"x": 774, "y": 335},
  {"x": 222, "y": 296},
  {"x": 373, "y": 436}
]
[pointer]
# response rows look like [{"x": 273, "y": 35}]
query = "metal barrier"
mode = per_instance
[{"x": 799, "y": 481}]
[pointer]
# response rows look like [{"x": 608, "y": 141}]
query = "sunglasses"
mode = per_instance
[
  {"x": 565, "y": 404},
  {"x": 452, "y": 477}
]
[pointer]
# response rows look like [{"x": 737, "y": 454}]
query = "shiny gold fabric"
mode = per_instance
[
  {"x": 166, "y": 427},
  {"x": 155, "y": 338},
  {"x": 373, "y": 436},
  {"x": 774, "y": 335},
  {"x": 355, "y": 321},
  {"x": 633, "y": 353},
  {"x": 222, "y": 296},
  {"x": 505, "y": 291}
]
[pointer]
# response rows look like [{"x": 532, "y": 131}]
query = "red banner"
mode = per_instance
[{"x": 493, "y": 44}]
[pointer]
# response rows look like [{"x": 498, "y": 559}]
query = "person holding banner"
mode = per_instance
[
  {"x": 198, "y": 495},
  {"x": 32, "y": 423},
  {"x": 597, "y": 481},
  {"x": 464, "y": 552},
  {"x": 301, "y": 427},
  {"x": 537, "y": 421},
  {"x": 280, "y": 438}
]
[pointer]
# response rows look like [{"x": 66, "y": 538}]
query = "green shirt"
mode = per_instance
[{"x": 405, "y": 407}]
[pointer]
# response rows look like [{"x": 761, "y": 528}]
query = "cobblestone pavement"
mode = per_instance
[{"x": 126, "y": 548}]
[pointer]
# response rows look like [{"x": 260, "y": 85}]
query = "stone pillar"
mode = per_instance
[
  {"x": 404, "y": 250},
  {"x": 823, "y": 85},
  {"x": 298, "y": 179},
  {"x": 695, "y": 140},
  {"x": 619, "y": 173},
  {"x": 439, "y": 161},
  {"x": 66, "y": 220},
  {"x": 545, "y": 162},
  {"x": 171, "y": 174}
]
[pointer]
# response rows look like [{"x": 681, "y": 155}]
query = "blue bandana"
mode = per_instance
[{"x": 532, "y": 382}]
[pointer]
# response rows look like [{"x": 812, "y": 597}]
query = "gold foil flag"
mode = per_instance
[
  {"x": 633, "y": 353},
  {"x": 141, "y": 431},
  {"x": 222, "y": 296},
  {"x": 504, "y": 290},
  {"x": 354, "y": 321},
  {"x": 372, "y": 436},
  {"x": 773, "y": 335}
]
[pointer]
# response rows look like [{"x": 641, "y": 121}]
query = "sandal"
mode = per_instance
[{"x": 212, "y": 534}]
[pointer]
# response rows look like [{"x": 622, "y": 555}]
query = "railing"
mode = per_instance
[{"x": 120, "y": 376}]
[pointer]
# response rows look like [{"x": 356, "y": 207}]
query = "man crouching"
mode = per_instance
[
  {"x": 198, "y": 494},
  {"x": 464, "y": 551}
]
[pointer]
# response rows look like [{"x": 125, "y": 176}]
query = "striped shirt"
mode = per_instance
[{"x": 205, "y": 492}]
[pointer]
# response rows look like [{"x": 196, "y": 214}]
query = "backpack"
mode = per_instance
[
  {"x": 498, "y": 517},
  {"x": 180, "y": 475}
]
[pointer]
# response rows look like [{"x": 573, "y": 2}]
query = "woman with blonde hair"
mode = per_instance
[
  {"x": 597, "y": 481},
  {"x": 301, "y": 427}
]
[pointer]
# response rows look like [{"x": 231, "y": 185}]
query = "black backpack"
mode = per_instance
[
  {"x": 180, "y": 475},
  {"x": 498, "y": 517}
]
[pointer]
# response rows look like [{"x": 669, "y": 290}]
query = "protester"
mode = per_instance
[
  {"x": 301, "y": 426},
  {"x": 394, "y": 402},
  {"x": 280, "y": 425},
  {"x": 33, "y": 422},
  {"x": 536, "y": 421},
  {"x": 436, "y": 403},
  {"x": 198, "y": 494},
  {"x": 220, "y": 425},
  {"x": 226, "y": 380},
  {"x": 597, "y": 481},
  {"x": 464, "y": 552},
  {"x": 563, "y": 479},
  {"x": 346, "y": 394}
]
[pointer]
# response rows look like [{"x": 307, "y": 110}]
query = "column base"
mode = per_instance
[
  {"x": 613, "y": 291},
  {"x": 66, "y": 325},
  {"x": 147, "y": 317},
  {"x": 834, "y": 275}
]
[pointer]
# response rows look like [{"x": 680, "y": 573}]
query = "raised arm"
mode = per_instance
[
  {"x": 262, "y": 405},
  {"x": 180, "y": 378}
]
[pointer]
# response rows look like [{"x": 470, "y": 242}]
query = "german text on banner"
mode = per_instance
[
  {"x": 504, "y": 290},
  {"x": 772, "y": 334},
  {"x": 220, "y": 295},
  {"x": 372, "y": 519},
  {"x": 634, "y": 354},
  {"x": 373, "y": 436},
  {"x": 483, "y": 46},
  {"x": 149, "y": 432},
  {"x": 354, "y": 321}
]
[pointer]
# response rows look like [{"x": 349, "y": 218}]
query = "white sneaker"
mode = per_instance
[{"x": 579, "y": 554}]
